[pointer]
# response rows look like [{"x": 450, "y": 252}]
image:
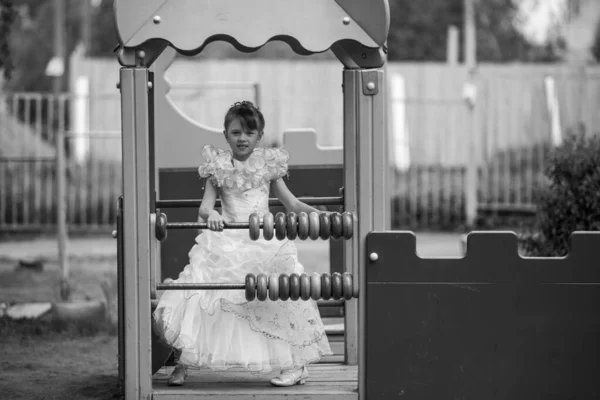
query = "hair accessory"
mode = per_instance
[{"x": 245, "y": 103}]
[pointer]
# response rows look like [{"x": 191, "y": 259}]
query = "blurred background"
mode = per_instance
[
  {"x": 492, "y": 117},
  {"x": 486, "y": 86}
]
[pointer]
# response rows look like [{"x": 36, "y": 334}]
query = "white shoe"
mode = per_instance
[
  {"x": 291, "y": 378},
  {"x": 178, "y": 375}
]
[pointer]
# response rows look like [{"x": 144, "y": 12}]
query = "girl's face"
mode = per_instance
[{"x": 242, "y": 142}]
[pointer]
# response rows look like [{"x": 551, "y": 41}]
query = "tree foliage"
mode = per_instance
[
  {"x": 570, "y": 200},
  {"x": 418, "y": 33},
  {"x": 596, "y": 45},
  {"x": 7, "y": 17},
  {"x": 31, "y": 39}
]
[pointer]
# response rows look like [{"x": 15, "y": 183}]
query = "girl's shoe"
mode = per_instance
[
  {"x": 178, "y": 375},
  {"x": 291, "y": 378}
]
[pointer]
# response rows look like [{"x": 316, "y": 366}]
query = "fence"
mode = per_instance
[
  {"x": 29, "y": 196},
  {"x": 28, "y": 125},
  {"x": 512, "y": 127}
]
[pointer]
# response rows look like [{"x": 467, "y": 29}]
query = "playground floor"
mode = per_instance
[{"x": 41, "y": 363}]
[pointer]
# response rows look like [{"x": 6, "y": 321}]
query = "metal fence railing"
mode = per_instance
[{"x": 426, "y": 194}]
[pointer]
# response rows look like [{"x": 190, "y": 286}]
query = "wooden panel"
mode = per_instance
[
  {"x": 326, "y": 381},
  {"x": 489, "y": 325},
  {"x": 295, "y": 93}
]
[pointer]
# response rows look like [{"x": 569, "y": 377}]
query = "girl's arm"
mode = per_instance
[
  {"x": 291, "y": 202},
  {"x": 207, "y": 211}
]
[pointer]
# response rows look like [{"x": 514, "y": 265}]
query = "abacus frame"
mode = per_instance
[{"x": 356, "y": 33}]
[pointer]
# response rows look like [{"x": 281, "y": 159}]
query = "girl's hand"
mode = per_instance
[{"x": 215, "y": 221}]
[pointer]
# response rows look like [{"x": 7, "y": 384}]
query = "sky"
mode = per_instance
[{"x": 538, "y": 17}]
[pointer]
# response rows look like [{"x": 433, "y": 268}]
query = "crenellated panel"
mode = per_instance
[
  {"x": 489, "y": 325},
  {"x": 308, "y": 26},
  {"x": 491, "y": 257}
]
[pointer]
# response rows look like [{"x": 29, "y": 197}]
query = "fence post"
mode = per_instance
[
  {"x": 472, "y": 162},
  {"x": 257, "y": 99},
  {"x": 61, "y": 177},
  {"x": 469, "y": 94}
]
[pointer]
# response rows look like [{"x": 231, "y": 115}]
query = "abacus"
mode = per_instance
[
  {"x": 284, "y": 287},
  {"x": 281, "y": 226}
]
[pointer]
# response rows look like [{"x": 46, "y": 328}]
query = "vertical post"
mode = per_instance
[
  {"x": 257, "y": 99},
  {"x": 366, "y": 183},
  {"x": 59, "y": 44},
  {"x": 120, "y": 292},
  {"x": 350, "y": 253},
  {"x": 471, "y": 179},
  {"x": 452, "y": 46},
  {"x": 57, "y": 88},
  {"x": 86, "y": 25},
  {"x": 470, "y": 33},
  {"x": 137, "y": 186},
  {"x": 61, "y": 189}
]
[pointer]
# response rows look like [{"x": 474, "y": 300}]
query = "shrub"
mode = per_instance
[{"x": 570, "y": 200}]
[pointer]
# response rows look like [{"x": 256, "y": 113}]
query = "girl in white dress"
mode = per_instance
[{"x": 220, "y": 329}]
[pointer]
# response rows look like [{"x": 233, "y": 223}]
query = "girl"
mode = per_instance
[{"x": 220, "y": 329}]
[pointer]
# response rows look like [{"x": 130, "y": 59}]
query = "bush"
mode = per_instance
[{"x": 570, "y": 199}]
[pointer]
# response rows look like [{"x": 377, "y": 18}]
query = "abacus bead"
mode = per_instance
[
  {"x": 347, "y": 286},
  {"x": 280, "y": 226},
  {"x": 161, "y": 227},
  {"x": 268, "y": 226},
  {"x": 292, "y": 225},
  {"x": 304, "y": 287},
  {"x": 336, "y": 285},
  {"x": 250, "y": 287},
  {"x": 254, "y": 226},
  {"x": 336, "y": 225},
  {"x": 303, "y": 226},
  {"x": 294, "y": 287},
  {"x": 347, "y": 225},
  {"x": 326, "y": 286},
  {"x": 324, "y": 226},
  {"x": 262, "y": 283},
  {"x": 315, "y": 286},
  {"x": 273, "y": 287},
  {"x": 284, "y": 287},
  {"x": 313, "y": 225}
]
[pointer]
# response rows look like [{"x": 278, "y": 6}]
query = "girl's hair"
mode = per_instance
[{"x": 249, "y": 115}]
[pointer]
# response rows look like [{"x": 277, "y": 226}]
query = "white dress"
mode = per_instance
[{"x": 220, "y": 329}]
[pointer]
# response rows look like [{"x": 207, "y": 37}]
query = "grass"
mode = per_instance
[
  {"x": 41, "y": 362},
  {"x": 45, "y": 360}
]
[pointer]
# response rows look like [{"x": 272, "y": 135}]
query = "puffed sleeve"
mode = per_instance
[
  {"x": 277, "y": 162},
  {"x": 217, "y": 161}
]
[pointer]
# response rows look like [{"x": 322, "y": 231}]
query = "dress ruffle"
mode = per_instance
[
  {"x": 220, "y": 329},
  {"x": 263, "y": 166}
]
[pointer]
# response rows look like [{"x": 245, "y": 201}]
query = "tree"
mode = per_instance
[
  {"x": 418, "y": 28},
  {"x": 418, "y": 31},
  {"x": 7, "y": 17},
  {"x": 31, "y": 39},
  {"x": 596, "y": 45}
]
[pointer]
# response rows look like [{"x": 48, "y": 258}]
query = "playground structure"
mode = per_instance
[{"x": 491, "y": 324}]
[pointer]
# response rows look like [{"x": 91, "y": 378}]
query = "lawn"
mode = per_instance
[
  {"x": 41, "y": 360},
  {"x": 40, "y": 363}
]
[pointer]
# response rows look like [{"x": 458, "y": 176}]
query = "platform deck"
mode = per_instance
[{"x": 327, "y": 381}]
